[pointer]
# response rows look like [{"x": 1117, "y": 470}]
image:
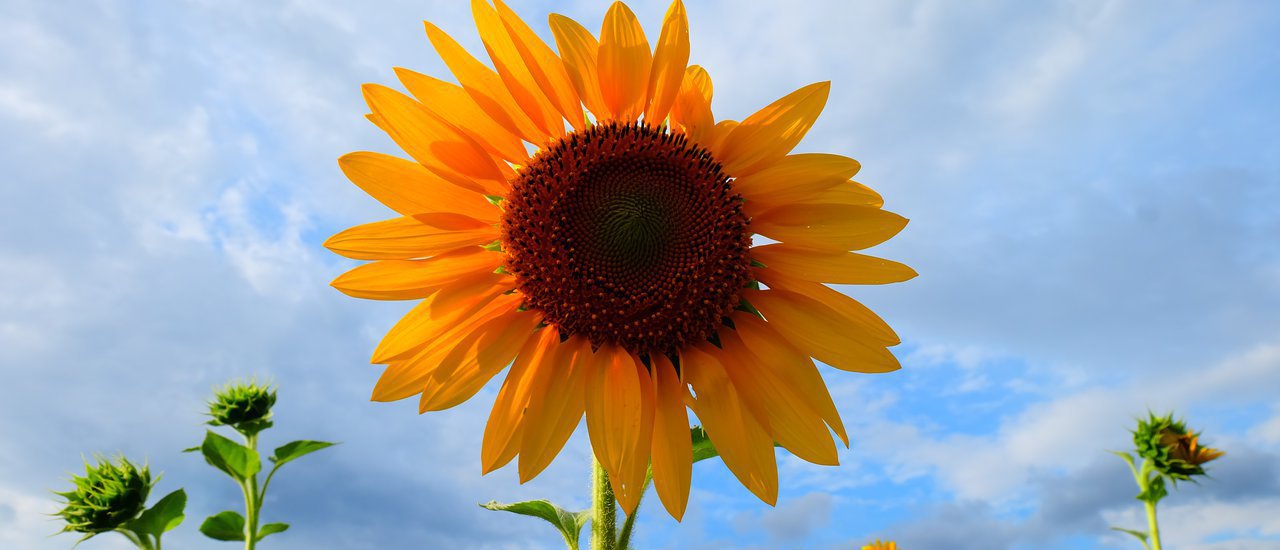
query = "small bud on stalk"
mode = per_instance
[
  {"x": 107, "y": 497},
  {"x": 245, "y": 406}
]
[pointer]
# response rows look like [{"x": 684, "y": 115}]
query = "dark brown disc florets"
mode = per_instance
[{"x": 627, "y": 234}]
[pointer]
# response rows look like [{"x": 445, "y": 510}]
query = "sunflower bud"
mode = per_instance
[
  {"x": 1172, "y": 448},
  {"x": 245, "y": 406},
  {"x": 108, "y": 496}
]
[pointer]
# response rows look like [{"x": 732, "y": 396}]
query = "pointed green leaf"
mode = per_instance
[
  {"x": 162, "y": 517},
  {"x": 226, "y": 525},
  {"x": 236, "y": 460},
  {"x": 702, "y": 447},
  {"x": 295, "y": 449},
  {"x": 1154, "y": 492},
  {"x": 271, "y": 529},
  {"x": 568, "y": 523},
  {"x": 191, "y": 449},
  {"x": 1137, "y": 534}
]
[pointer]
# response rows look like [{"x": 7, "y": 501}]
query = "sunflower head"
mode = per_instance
[
  {"x": 877, "y": 545},
  {"x": 245, "y": 406},
  {"x": 575, "y": 211},
  {"x": 1174, "y": 450},
  {"x": 106, "y": 497}
]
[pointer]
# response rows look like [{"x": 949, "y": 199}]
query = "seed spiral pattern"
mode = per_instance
[{"x": 629, "y": 235}]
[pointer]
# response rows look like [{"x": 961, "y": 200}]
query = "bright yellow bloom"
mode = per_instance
[
  {"x": 877, "y": 545},
  {"x": 613, "y": 268}
]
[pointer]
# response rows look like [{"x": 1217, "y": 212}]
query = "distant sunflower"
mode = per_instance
[{"x": 613, "y": 268}]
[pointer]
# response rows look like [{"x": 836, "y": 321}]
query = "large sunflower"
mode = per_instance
[{"x": 614, "y": 268}]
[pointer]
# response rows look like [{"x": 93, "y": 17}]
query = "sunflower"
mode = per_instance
[
  {"x": 613, "y": 267},
  {"x": 877, "y": 545}
]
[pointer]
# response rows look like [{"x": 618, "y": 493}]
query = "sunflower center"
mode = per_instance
[{"x": 628, "y": 235}]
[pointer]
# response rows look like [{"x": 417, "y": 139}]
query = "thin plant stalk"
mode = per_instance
[{"x": 604, "y": 510}]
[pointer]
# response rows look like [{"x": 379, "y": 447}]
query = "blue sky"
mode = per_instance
[{"x": 1094, "y": 189}]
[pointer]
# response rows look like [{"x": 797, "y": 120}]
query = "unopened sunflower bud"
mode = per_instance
[
  {"x": 108, "y": 496},
  {"x": 1172, "y": 448},
  {"x": 245, "y": 406}
]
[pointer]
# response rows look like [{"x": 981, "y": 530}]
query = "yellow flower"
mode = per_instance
[
  {"x": 614, "y": 267},
  {"x": 877, "y": 545}
]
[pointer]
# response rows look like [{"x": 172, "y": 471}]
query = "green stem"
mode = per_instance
[
  {"x": 603, "y": 509},
  {"x": 1144, "y": 482},
  {"x": 252, "y": 501},
  {"x": 1151, "y": 525}
]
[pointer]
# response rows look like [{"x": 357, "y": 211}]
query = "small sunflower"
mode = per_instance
[
  {"x": 613, "y": 268},
  {"x": 877, "y": 545}
]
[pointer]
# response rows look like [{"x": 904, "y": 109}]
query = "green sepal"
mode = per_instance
[
  {"x": 756, "y": 263},
  {"x": 568, "y": 523},
  {"x": 493, "y": 199},
  {"x": 271, "y": 529},
  {"x": 744, "y": 305},
  {"x": 161, "y": 518},
  {"x": 295, "y": 449},
  {"x": 228, "y": 525},
  {"x": 495, "y": 246},
  {"x": 236, "y": 460}
]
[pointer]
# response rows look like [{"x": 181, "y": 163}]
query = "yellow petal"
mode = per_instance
[
  {"x": 555, "y": 405},
  {"x": 579, "y": 51},
  {"x": 850, "y": 311},
  {"x": 814, "y": 328},
  {"x": 404, "y": 239},
  {"x": 435, "y": 144},
  {"x": 409, "y": 189},
  {"x": 691, "y": 112},
  {"x": 771, "y": 133},
  {"x": 791, "y": 420},
  {"x": 502, "y": 433},
  {"x": 794, "y": 176},
  {"x": 670, "y": 57},
  {"x": 784, "y": 363},
  {"x": 714, "y": 139},
  {"x": 455, "y": 106},
  {"x": 623, "y": 64},
  {"x": 485, "y": 87},
  {"x": 495, "y": 348},
  {"x": 544, "y": 66},
  {"x": 672, "y": 447},
  {"x": 835, "y": 227},
  {"x": 619, "y": 407},
  {"x": 747, "y": 449},
  {"x": 414, "y": 279},
  {"x": 511, "y": 68},
  {"x": 827, "y": 266},
  {"x": 422, "y": 325},
  {"x": 445, "y": 349}
]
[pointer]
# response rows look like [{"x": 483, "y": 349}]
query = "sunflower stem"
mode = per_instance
[
  {"x": 252, "y": 501},
  {"x": 603, "y": 509}
]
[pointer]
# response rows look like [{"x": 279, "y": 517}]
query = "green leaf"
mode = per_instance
[
  {"x": 1137, "y": 534},
  {"x": 1154, "y": 492},
  {"x": 568, "y": 523},
  {"x": 162, "y": 517},
  {"x": 271, "y": 529},
  {"x": 226, "y": 525},
  {"x": 236, "y": 460},
  {"x": 295, "y": 449},
  {"x": 702, "y": 447},
  {"x": 191, "y": 449}
]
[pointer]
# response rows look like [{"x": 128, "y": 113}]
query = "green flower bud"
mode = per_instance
[
  {"x": 1172, "y": 448},
  {"x": 245, "y": 406},
  {"x": 108, "y": 496}
]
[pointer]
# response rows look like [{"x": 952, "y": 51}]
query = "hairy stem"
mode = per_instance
[{"x": 603, "y": 509}]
